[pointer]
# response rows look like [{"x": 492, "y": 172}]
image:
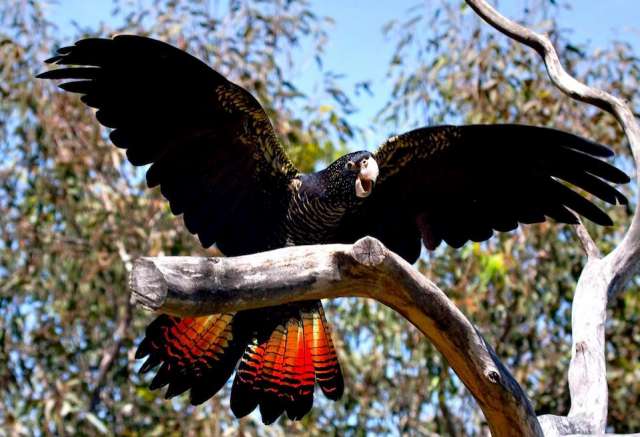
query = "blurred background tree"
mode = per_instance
[{"x": 73, "y": 214}]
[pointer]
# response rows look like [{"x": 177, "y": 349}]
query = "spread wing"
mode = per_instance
[
  {"x": 461, "y": 183},
  {"x": 213, "y": 150}
]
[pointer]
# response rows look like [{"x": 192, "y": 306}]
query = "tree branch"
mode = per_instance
[
  {"x": 600, "y": 278},
  {"x": 589, "y": 246},
  {"x": 188, "y": 286}
]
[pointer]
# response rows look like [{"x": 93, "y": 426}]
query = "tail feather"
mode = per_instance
[
  {"x": 272, "y": 394},
  {"x": 300, "y": 375},
  {"x": 244, "y": 397},
  {"x": 288, "y": 374},
  {"x": 282, "y": 352},
  {"x": 276, "y": 372},
  {"x": 323, "y": 354},
  {"x": 198, "y": 353}
]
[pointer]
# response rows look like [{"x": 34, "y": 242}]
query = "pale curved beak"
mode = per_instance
[{"x": 367, "y": 177}]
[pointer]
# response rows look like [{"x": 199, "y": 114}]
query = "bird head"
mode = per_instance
[{"x": 353, "y": 176}]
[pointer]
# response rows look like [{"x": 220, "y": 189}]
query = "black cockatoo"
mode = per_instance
[{"x": 217, "y": 159}]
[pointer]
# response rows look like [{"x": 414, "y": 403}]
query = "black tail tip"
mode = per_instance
[{"x": 270, "y": 410}]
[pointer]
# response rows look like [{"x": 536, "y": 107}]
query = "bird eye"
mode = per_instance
[{"x": 350, "y": 165}]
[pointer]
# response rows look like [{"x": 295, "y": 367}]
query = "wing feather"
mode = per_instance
[
  {"x": 461, "y": 183},
  {"x": 211, "y": 146}
]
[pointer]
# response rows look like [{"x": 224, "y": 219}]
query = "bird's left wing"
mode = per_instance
[
  {"x": 213, "y": 150},
  {"x": 461, "y": 183}
]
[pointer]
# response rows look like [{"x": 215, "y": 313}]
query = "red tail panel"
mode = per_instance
[
  {"x": 323, "y": 353},
  {"x": 198, "y": 353},
  {"x": 283, "y": 351}
]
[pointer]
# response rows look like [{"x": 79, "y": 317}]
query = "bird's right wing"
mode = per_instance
[{"x": 213, "y": 150}]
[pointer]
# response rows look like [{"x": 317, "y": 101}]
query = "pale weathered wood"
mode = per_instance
[
  {"x": 187, "y": 286},
  {"x": 601, "y": 278}
]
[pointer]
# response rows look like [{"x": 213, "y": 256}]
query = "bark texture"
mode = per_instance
[{"x": 191, "y": 286}]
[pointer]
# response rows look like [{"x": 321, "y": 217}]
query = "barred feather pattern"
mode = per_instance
[
  {"x": 280, "y": 367},
  {"x": 192, "y": 351},
  {"x": 317, "y": 336},
  {"x": 312, "y": 220},
  {"x": 282, "y": 353}
]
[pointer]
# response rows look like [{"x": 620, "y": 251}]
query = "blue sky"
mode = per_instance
[
  {"x": 358, "y": 33},
  {"x": 358, "y": 49}
]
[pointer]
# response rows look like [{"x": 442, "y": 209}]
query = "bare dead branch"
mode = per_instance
[
  {"x": 189, "y": 286},
  {"x": 601, "y": 278},
  {"x": 589, "y": 246}
]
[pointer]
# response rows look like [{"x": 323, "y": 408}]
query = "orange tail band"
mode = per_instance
[{"x": 283, "y": 352}]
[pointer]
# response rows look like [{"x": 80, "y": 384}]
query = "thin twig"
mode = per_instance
[{"x": 589, "y": 246}]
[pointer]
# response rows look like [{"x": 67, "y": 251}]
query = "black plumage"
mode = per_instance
[
  {"x": 217, "y": 159},
  {"x": 461, "y": 183}
]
